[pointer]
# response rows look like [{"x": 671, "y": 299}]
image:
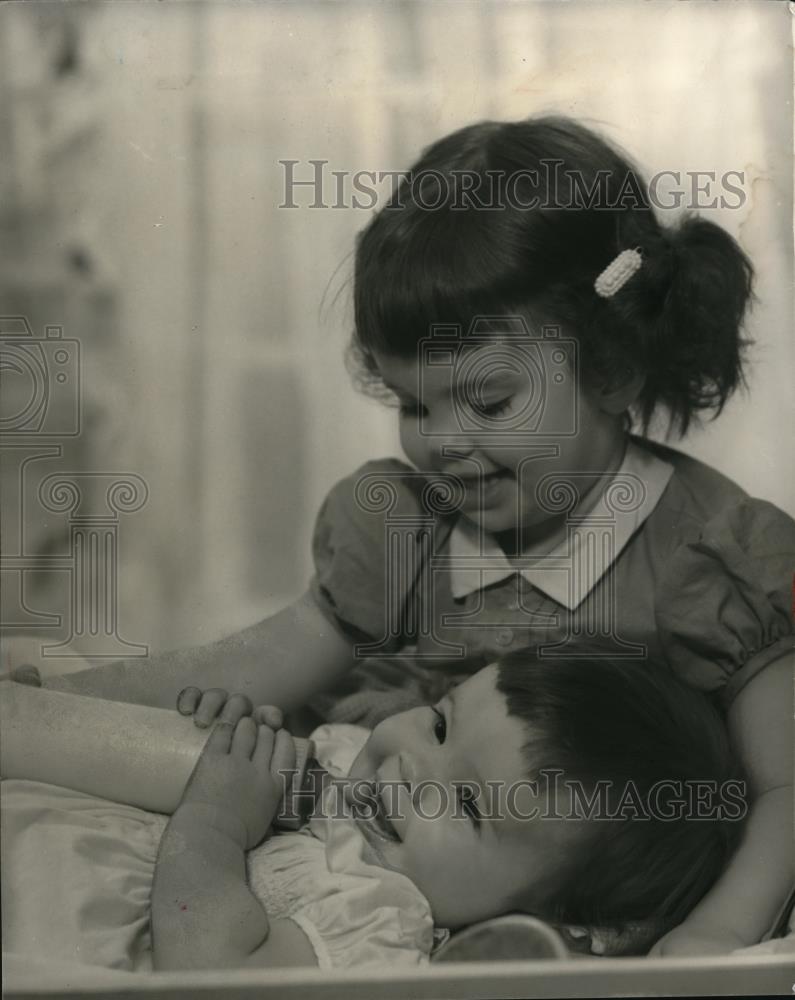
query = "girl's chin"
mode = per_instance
[
  {"x": 494, "y": 521},
  {"x": 535, "y": 529}
]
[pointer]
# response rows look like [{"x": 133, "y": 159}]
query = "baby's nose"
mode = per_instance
[{"x": 407, "y": 768}]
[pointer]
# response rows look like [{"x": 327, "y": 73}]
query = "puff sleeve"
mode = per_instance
[
  {"x": 366, "y": 924},
  {"x": 724, "y": 604},
  {"x": 352, "y": 584}
]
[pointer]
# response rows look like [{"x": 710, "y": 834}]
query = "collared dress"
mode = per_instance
[{"x": 670, "y": 562}]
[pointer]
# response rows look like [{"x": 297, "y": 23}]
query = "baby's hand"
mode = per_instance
[
  {"x": 237, "y": 785},
  {"x": 215, "y": 703}
]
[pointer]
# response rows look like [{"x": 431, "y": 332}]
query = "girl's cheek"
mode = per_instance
[{"x": 413, "y": 444}]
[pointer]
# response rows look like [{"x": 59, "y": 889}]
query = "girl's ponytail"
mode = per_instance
[{"x": 695, "y": 345}]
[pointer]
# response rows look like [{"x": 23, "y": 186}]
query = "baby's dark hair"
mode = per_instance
[
  {"x": 630, "y": 723},
  {"x": 443, "y": 252}
]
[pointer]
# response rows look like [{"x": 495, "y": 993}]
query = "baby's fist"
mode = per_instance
[{"x": 239, "y": 781}]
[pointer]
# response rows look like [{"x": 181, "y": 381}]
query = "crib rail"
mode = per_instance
[{"x": 735, "y": 976}]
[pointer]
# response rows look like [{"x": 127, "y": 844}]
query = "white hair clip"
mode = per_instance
[{"x": 617, "y": 273}]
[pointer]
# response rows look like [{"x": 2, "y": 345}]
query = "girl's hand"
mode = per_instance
[
  {"x": 692, "y": 939},
  {"x": 238, "y": 784},
  {"x": 215, "y": 703},
  {"x": 25, "y": 674}
]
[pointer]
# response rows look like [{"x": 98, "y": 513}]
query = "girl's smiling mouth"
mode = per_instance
[{"x": 483, "y": 489}]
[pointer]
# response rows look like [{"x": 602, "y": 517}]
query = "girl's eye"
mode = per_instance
[
  {"x": 412, "y": 411},
  {"x": 493, "y": 409},
  {"x": 440, "y": 726}
]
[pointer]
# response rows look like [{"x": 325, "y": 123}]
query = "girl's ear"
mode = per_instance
[{"x": 618, "y": 391}]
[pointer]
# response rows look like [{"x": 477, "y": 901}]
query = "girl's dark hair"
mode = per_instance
[
  {"x": 456, "y": 242},
  {"x": 623, "y": 722}
]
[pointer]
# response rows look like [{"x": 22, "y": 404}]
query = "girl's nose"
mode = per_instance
[
  {"x": 454, "y": 456},
  {"x": 455, "y": 450},
  {"x": 447, "y": 436}
]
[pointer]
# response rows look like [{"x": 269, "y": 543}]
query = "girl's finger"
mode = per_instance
[
  {"x": 211, "y": 703},
  {"x": 283, "y": 756},
  {"x": 220, "y": 739},
  {"x": 26, "y": 673},
  {"x": 269, "y": 715},
  {"x": 188, "y": 700},
  {"x": 236, "y": 708},
  {"x": 245, "y": 738}
]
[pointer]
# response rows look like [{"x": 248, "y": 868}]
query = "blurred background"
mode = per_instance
[{"x": 140, "y": 187}]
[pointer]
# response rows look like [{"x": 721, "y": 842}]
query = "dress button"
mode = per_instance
[{"x": 505, "y": 637}]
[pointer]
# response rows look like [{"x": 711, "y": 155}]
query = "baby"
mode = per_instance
[{"x": 609, "y": 800}]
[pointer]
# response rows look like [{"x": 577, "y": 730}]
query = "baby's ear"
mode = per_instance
[{"x": 615, "y": 393}]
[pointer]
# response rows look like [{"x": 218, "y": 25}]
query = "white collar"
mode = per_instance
[{"x": 477, "y": 561}]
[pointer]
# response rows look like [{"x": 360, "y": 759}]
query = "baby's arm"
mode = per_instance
[
  {"x": 203, "y": 913},
  {"x": 744, "y": 902},
  {"x": 282, "y": 661}
]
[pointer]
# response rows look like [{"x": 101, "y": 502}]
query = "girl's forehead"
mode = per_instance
[{"x": 447, "y": 362}]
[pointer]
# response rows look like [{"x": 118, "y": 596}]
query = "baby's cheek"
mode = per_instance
[
  {"x": 362, "y": 766},
  {"x": 437, "y": 853}
]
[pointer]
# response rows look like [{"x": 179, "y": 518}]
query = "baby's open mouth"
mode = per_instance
[{"x": 372, "y": 815}]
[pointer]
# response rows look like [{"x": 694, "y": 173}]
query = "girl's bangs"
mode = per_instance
[{"x": 450, "y": 274}]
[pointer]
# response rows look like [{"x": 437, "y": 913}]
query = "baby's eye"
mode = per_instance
[
  {"x": 493, "y": 409},
  {"x": 440, "y": 726}
]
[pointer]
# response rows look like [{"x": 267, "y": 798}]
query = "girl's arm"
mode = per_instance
[
  {"x": 203, "y": 913},
  {"x": 744, "y": 902},
  {"x": 282, "y": 661}
]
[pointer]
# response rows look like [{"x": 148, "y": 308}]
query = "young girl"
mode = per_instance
[
  {"x": 522, "y": 303},
  {"x": 589, "y": 810}
]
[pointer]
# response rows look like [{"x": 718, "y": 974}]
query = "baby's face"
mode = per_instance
[{"x": 471, "y": 859}]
